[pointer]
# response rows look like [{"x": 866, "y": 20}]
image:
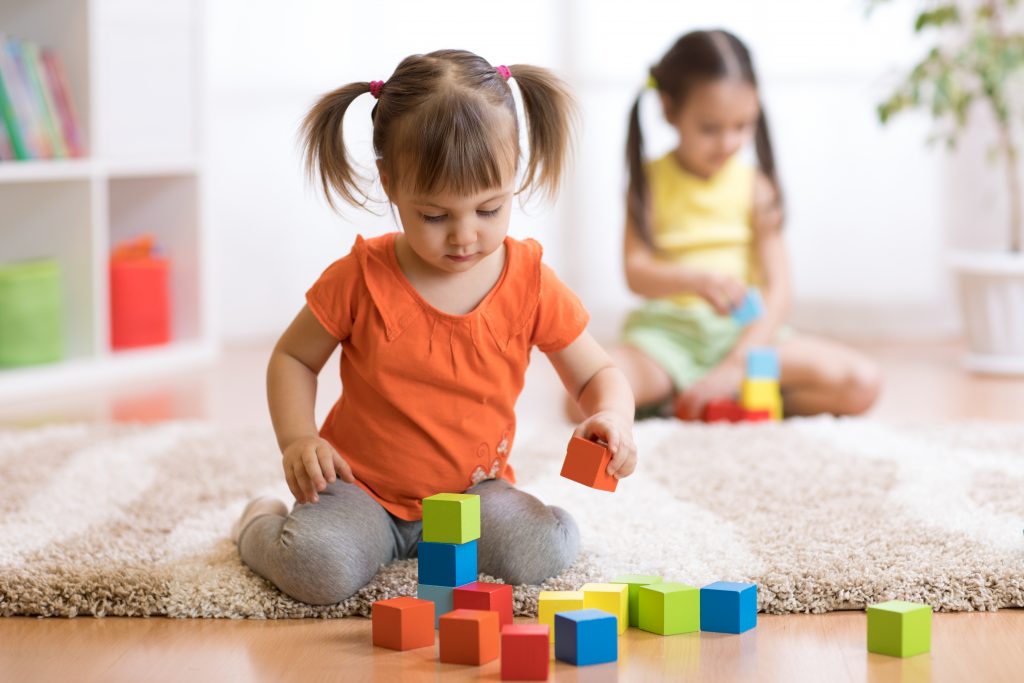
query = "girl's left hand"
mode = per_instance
[
  {"x": 617, "y": 433},
  {"x": 722, "y": 382}
]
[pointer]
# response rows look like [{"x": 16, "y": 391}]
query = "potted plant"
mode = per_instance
[{"x": 978, "y": 62}]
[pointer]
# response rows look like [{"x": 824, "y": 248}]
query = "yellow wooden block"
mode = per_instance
[
  {"x": 610, "y": 597},
  {"x": 762, "y": 394},
  {"x": 550, "y": 603}
]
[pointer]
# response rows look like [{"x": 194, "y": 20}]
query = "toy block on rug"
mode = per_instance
[
  {"x": 634, "y": 582},
  {"x": 613, "y": 598},
  {"x": 447, "y": 564},
  {"x": 469, "y": 636},
  {"x": 586, "y": 636},
  {"x": 719, "y": 410},
  {"x": 550, "y": 603},
  {"x": 441, "y": 596},
  {"x": 669, "y": 608},
  {"x": 402, "y": 623},
  {"x": 525, "y": 651},
  {"x": 899, "y": 629},
  {"x": 750, "y": 309},
  {"x": 757, "y": 416},
  {"x": 762, "y": 394},
  {"x": 586, "y": 462},
  {"x": 762, "y": 363},
  {"x": 451, "y": 518},
  {"x": 728, "y": 607},
  {"x": 496, "y": 597}
]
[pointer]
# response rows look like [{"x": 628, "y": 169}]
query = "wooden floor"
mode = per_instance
[{"x": 923, "y": 383}]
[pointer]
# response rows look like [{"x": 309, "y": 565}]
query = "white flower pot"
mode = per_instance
[{"x": 992, "y": 300}]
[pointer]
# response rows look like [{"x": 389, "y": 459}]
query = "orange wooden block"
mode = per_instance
[
  {"x": 403, "y": 623},
  {"x": 469, "y": 636},
  {"x": 757, "y": 415},
  {"x": 525, "y": 652},
  {"x": 496, "y": 597},
  {"x": 587, "y": 461}
]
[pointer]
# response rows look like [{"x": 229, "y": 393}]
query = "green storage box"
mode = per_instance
[{"x": 31, "y": 313}]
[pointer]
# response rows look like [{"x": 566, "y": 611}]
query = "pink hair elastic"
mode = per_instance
[
  {"x": 503, "y": 71},
  {"x": 375, "y": 87}
]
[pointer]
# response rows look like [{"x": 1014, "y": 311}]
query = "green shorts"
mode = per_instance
[{"x": 687, "y": 342}]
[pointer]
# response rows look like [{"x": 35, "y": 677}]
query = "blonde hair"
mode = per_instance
[{"x": 448, "y": 117}]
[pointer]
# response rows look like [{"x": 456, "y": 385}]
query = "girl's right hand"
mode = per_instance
[
  {"x": 310, "y": 463},
  {"x": 724, "y": 292}
]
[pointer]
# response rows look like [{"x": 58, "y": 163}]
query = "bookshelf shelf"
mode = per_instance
[{"x": 133, "y": 71}]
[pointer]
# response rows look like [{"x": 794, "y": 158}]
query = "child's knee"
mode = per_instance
[
  {"x": 530, "y": 551},
  {"x": 320, "y": 576},
  {"x": 861, "y": 386}
]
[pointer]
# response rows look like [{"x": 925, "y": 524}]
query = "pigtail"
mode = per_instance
[
  {"x": 636, "y": 194},
  {"x": 324, "y": 146},
  {"x": 765, "y": 155},
  {"x": 550, "y": 117}
]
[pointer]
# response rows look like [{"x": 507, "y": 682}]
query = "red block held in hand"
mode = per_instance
[{"x": 587, "y": 462}]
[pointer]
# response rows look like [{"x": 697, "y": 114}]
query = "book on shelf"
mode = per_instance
[{"x": 38, "y": 119}]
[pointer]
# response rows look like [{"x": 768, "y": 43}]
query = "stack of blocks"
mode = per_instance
[{"x": 760, "y": 391}]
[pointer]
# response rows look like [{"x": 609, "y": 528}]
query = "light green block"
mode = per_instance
[
  {"x": 550, "y": 603},
  {"x": 899, "y": 628},
  {"x": 669, "y": 608},
  {"x": 634, "y": 581},
  {"x": 451, "y": 518},
  {"x": 610, "y": 597}
]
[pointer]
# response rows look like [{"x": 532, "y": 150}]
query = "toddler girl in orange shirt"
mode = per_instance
[{"x": 436, "y": 324}]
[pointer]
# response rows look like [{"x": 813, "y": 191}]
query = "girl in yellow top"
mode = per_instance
[{"x": 702, "y": 226}]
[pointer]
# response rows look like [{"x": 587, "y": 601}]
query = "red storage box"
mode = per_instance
[{"x": 139, "y": 302}]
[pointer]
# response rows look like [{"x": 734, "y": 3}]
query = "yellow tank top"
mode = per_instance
[{"x": 702, "y": 223}]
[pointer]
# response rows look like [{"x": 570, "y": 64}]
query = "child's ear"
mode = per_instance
[{"x": 668, "y": 106}]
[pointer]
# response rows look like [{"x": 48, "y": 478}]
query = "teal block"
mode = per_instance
[
  {"x": 441, "y": 596},
  {"x": 763, "y": 363},
  {"x": 899, "y": 628},
  {"x": 635, "y": 581},
  {"x": 750, "y": 309},
  {"x": 451, "y": 518}
]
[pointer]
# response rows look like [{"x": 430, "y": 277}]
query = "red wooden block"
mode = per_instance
[
  {"x": 587, "y": 461},
  {"x": 403, "y": 623},
  {"x": 469, "y": 636},
  {"x": 525, "y": 652},
  {"x": 757, "y": 415},
  {"x": 723, "y": 410},
  {"x": 496, "y": 597}
]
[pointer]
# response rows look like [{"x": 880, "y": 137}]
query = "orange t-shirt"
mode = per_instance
[{"x": 427, "y": 402}]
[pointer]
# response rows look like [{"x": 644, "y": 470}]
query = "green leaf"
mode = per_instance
[{"x": 940, "y": 16}]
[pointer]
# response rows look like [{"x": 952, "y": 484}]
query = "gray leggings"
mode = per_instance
[{"x": 324, "y": 552}]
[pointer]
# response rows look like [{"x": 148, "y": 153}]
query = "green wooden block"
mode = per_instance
[
  {"x": 899, "y": 628},
  {"x": 451, "y": 518},
  {"x": 669, "y": 608},
  {"x": 634, "y": 581}
]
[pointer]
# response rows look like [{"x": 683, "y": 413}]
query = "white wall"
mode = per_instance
[{"x": 867, "y": 205}]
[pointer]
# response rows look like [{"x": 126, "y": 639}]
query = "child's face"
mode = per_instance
[
  {"x": 453, "y": 233},
  {"x": 714, "y": 122}
]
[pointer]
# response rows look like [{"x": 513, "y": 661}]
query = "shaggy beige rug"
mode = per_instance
[{"x": 822, "y": 514}]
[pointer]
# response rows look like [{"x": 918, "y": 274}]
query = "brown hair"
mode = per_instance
[
  {"x": 448, "y": 120},
  {"x": 697, "y": 57}
]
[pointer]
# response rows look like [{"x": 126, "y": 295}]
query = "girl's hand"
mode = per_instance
[
  {"x": 724, "y": 292},
  {"x": 617, "y": 432},
  {"x": 722, "y": 382},
  {"x": 310, "y": 463}
]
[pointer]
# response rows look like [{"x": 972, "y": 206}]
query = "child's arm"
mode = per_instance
[
  {"x": 773, "y": 265},
  {"x": 309, "y": 462},
  {"x": 651, "y": 277},
  {"x": 604, "y": 396}
]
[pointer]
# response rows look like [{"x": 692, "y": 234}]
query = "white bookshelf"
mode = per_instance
[{"x": 134, "y": 70}]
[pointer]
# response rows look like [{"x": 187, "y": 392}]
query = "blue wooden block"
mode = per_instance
[
  {"x": 728, "y": 607},
  {"x": 586, "y": 636},
  {"x": 447, "y": 564},
  {"x": 441, "y": 596},
  {"x": 763, "y": 363},
  {"x": 750, "y": 309}
]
